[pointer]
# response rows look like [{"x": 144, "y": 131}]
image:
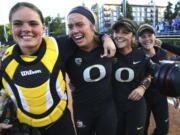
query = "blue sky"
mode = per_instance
[{"x": 62, "y": 7}]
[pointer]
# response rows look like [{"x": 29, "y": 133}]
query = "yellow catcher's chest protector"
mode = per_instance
[{"x": 35, "y": 84}]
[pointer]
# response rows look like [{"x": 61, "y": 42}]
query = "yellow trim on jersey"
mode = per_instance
[
  {"x": 11, "y": 67},
  {"x": 52, "y": 117},
  {"x": 28, "y": 58},
  {"x": 5, "y": 84},
  {"x": 50, "y": 58}
]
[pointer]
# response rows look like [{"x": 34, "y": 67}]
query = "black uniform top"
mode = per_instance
[
  {"x": 67, "y": 48},
  {"x": 160, "y": 55},
  {"x": 128, "y": 71},
  {"x": 91, "y": 76}
]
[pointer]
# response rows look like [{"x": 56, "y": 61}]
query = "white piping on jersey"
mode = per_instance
[
  {"x": 61, "y": 94},
  {"x": 49, "y": 99},
  {"x": 13, "y": 98},
  {"x": 22, "y": 98}
]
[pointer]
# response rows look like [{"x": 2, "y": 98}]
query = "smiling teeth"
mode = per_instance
[
  {"x": 77, "y": 37},
  {"x": 147, "y": 43},
  {"x": 120, "y": 40},
  {"x": 27, "y": 37}
]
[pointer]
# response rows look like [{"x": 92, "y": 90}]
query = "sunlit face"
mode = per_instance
[
  {"x": 27, "y": 28},
  {"x": 81, "y": 30},
  {"x": 123, "y": 37},
  {"x": 147, "y": 40}
]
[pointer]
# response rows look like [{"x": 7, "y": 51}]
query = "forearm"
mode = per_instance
[{"x": 109, "y": 46}]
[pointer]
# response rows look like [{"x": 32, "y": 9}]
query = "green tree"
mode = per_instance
[
  {"x": 177, "y": 10},
  {"x": 2, "y": 39},
  {"x": 110, "y": 31},
  {"x": 55, "y": 25},
  {"x": 168, "y": 14},
  {"x": 149, "y": 21},
  {"x": 128, "y": 11},
  {"x": 48, "y": 20}
]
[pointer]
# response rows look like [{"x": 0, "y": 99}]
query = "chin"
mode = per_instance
[
  {"x": 149, "y": 47},
  {"x": 80, "y": 45}
]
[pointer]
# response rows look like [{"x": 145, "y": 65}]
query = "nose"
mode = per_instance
[
  {"x": 26, "y": 27},
  {"x": 73, "y": 30},
  {"x": 146, "y": 38},
  {"x": 117, "y": 35}
]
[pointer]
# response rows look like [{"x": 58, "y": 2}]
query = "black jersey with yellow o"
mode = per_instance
[{"x": 35, "y": 83}]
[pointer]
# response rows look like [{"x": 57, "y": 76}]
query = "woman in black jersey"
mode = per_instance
[
  {"x": 156, "y": 103},
  {"x": 32, "y": 73},
  {"x": 93, "y": 106},
  {"x": 129, "y": 68}
]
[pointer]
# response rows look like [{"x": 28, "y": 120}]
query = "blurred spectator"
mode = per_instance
[
  {"x": 176, "y": 24},
  {"x": 160, "y": 27},
  {"x": 167, "y": 26}
]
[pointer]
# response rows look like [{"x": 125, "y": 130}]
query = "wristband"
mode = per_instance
[{"x": 146, "y": 83}]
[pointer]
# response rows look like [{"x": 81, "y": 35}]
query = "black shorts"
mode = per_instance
[
  {"x": 96, "y": 119},
  {"x": 131, "y": 121}
]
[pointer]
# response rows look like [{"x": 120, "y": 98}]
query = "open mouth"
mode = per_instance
[
  {"x": 148, "y": 43},
  {"x": 120, "y": 40},
  {"x": 78, "y": 38}
]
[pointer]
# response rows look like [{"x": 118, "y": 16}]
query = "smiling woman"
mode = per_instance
[
  {"x": 27, "y": 29},
  {"x": 79, "y": 31},
  {"x": 129, "y": 69},
  {"x": 94, "y": 110},
  {"x": 156, "y": 103}
]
